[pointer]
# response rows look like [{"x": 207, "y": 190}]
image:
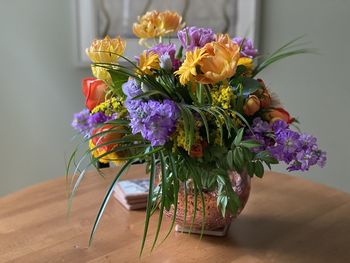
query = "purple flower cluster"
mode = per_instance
[
  {"x": 192, "y": 37},
  {"x": 298, "y": 150},
  {"x": 131, "y": 89},
  {"x": 166, "y": 53},
  {"x": 84, "y": 123},
  {"x": 247, "y": 47},
  {"x": 155, "y": 120}
]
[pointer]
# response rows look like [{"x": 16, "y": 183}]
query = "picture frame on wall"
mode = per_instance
[{"x": 98, "y": 18}]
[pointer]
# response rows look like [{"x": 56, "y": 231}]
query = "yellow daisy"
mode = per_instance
[
  {"x": 148, "y": 61},
  {"x": 188, "y": 69}
]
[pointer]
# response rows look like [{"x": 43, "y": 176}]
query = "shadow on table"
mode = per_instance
[{"x": 294, "y": 240}]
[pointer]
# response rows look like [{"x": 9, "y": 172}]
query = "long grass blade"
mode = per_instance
[
  {"x": 173, "y": 169},
  {"x": 164, "y": 170},
  {"x": 149, "y": 202},
  {"x": 123, "y": 169}
]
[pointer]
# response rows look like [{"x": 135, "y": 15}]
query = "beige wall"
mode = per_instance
[
  {"x": 315, "y": 88},
  {"x": 39, "y": 90},
  {"x": 40, "y": 86}
]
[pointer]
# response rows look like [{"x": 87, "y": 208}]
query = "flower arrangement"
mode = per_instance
[{"x": 194, "y": 111}]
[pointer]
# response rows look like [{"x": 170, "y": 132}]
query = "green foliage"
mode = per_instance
[{"x": 118, "y": 79}]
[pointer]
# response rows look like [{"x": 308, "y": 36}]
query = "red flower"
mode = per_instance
[
  {"x": 278, "y": 114},
  {"x": 196, "y": 151},
  {"x": 94, "y": 91}
]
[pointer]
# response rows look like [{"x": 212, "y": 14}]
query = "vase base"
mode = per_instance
[{"x": 217, "y": 232}]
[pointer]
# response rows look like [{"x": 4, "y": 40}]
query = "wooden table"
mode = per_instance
[{"x": 287, "y": 219}]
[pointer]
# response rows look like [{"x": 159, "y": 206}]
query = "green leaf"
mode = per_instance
[
  {"x": 250, "y": 85},
  {"x": 230, "y": 159},
  {"x": 238, "y": 137},
  {"x": 250, "y": 144},
  {"x": 223, "y": 205},
  {"x": 150, "y": 93},
  {"x": 173, "y": 169},
  {"x": 285, "y": 51},
  {"x": 238, "y": 158},
  {"x": 250, "y": 168},
  {"x": 118, "y": 79},
  {"x": 164, "y": 175},
  {"x": 259, "y": 169},
  {"x": 149, "y": 201},
  {"x": 204, "y": 120}
]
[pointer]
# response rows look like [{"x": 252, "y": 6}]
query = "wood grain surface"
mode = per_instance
[{"x": 287, "y": 219}]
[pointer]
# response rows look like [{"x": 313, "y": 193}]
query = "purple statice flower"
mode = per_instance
[
  {"x": 298, "y": 150},
  {"x": 307, "y": 141},
  {"x": 131, "y": 89},
  {"x": 289, "y": 140},
  {"x": 192, "y": 37},
  {"x": 97, "y": 118},
  {"x": 81, "y": 121},
  {"x": 155, "y": 120},
  {"x": 322, "y": 158},
  {"x": 260, "y": 126},
  {"x": 247, "y": 47},
  {"x": 279, "y": 126},
  {"x": 84, "y": 122}
]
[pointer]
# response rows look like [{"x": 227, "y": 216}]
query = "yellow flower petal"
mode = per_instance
[
  {"x": 188, "y": 70},
  {"x": 149, "y": 61},
  {"x": 106, "y": 50},
  {"x": 156, "y": 24}
]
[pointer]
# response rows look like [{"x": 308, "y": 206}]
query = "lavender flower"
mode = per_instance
[
  {"x": 162, "y": 49},
  {"x": 97, "y": 118},
  {"x": 247, "y": 48},
  {"x": 131, "y": 88},
  {"x": 260, "y": 126},
  {"x": 80, "y": 121},
  {"x": 155, "y": 120},
  {"x": 84, "y": 123},
  {"x": 298, "y": 150},
  {"x": 191, "y": 37}
]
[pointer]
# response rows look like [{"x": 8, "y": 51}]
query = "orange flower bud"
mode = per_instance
[
  {"x": 263, "y": 94},
  {"x": 265, "y": 99},
  {"x": 251, "y": 106}
]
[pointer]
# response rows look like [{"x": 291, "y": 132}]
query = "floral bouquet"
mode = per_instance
[{"x": 192, "y": 109}]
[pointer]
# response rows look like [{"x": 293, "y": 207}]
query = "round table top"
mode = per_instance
[{"x": 287, "y": 219}]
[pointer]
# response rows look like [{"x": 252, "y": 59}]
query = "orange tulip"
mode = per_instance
[
  {"x": 220, "y": 63},
  {"x": 109, "y": 134},
  {"x": 94, "y": 91},
  {"x": 155, "y": 24}
]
